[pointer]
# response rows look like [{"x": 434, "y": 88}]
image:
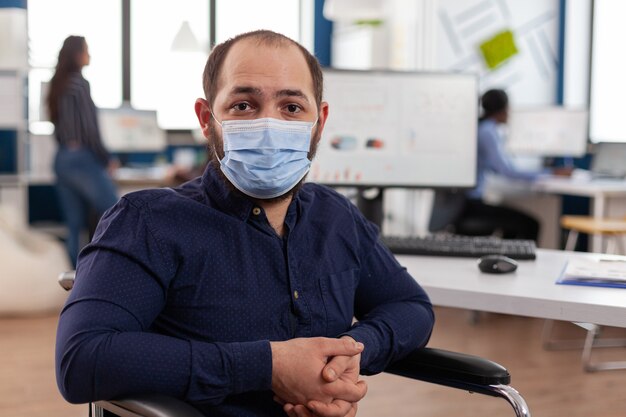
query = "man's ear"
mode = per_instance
[
  {"x": 323, "y": 116},
  {"x": 203, "y": 112}
]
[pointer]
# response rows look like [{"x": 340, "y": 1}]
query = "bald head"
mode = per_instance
[{"x": 253, "y": 42}]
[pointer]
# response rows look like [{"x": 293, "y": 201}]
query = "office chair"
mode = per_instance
[
  {"x": 615, "y": 229},
  {"x": 437, "y": 366}
]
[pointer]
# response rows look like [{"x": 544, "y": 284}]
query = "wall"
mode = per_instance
[
  {"x": 577, "y": 44},
  {"x": 530, "y": 74},
  {"x": 445, "y": 35}
]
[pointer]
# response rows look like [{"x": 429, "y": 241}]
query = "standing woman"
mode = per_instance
[{"x": 83, "y": 181}]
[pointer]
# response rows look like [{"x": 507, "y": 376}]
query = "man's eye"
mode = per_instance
[
  {"x": 292, "y": 108},
  {"x": 242, "y": 106}
]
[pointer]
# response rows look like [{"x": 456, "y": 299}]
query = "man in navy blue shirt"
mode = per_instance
[{"x": 237, "y": 291}]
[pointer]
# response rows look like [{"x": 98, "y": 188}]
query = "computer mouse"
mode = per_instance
[{"x": 496, "y": 264}]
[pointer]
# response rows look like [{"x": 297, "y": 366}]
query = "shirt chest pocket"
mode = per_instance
[{"x": 338, "y": 292}]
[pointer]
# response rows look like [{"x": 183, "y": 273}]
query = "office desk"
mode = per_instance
[
  {"x": 542, "y": 199},
  {"x": 530, "y": 291},
  {"x": 608, "y": 197},
  {"x": 134, "y": 179}
]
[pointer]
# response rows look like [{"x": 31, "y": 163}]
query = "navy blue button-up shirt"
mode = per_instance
[{"x": 182, "y": 290}]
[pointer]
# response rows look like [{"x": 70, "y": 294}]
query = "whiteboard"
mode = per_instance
[
  {"x": 403, "y": 129},
  {"x": 548, "y": 131}
]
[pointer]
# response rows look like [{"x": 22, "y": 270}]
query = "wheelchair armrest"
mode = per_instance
[
  {"x": 437, "y": 366},
  {"x": 150, "y": 405},
  {"x": 66, "y": 279},
  {"x": 452, "y": 369}
]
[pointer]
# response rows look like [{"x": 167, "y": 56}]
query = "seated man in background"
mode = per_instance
[{"x": 237, "y": 291}]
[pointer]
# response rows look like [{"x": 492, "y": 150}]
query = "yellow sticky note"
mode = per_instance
[{"x": 498, "y": 49}]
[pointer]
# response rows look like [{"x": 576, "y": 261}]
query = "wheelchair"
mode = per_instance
[{"x": 436, "y": 366}]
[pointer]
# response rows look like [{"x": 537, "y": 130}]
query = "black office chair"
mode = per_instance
[{"x": 437, "y": 366}]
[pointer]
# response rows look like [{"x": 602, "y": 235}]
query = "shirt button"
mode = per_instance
[
  {"x": 295, "y": 295},
  {"x": 256, "y": 211}
]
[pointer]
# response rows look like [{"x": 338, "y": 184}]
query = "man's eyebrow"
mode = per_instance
[
  {"x": 291, "y": 93},
  {"x": 287, "y": 92},
  {"x": 246, "y": 90}
]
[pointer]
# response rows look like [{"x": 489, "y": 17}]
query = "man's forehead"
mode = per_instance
[{"x": 281, "y": 65}]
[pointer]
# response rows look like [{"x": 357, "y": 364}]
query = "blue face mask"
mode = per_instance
[{"x": 265, "y": 158}]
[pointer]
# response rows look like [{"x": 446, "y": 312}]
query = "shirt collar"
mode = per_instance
[
  {"x": 235, "y": 204},
  {"x": 293, "y": 211},
  {"x": 223, "y": 197}
]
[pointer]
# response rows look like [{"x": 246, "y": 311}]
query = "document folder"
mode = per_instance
[{"x": 600, "y": 270}]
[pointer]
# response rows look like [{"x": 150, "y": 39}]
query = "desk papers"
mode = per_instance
[{"x": 602, "y": 270}]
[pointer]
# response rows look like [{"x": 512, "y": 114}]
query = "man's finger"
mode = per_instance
[
  {"x": 353, "y": 411},
  {"x": 329, "y": 374},
  {"x": 289, "y": 410},
  {"x": 336, "y": 408},
  {"x": 346, "y": 391},
  {"x": 335, "y": 367},
  {"x": 302, "y": 411},
  {"x": 344, "y": 346}
]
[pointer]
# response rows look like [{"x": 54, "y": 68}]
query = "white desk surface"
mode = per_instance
[
  {"x": 148, "y": 175},
  {"x": 529, "y": 291},
  {"x": 580, "y": 187},
  {"x": 556, "y": 185}
]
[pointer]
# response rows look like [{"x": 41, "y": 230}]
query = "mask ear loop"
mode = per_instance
[
  {"x": 218, "y": 122},
  {"x": 213, "y": 116},
  {"x": 315, "y": 122}
]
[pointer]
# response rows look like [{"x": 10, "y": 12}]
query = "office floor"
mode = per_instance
[{"x": 553, "y": 383}]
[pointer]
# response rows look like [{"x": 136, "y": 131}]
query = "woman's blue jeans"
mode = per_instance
[{"x": 83, "y": 186}]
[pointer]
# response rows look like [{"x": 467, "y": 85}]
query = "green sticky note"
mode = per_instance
[{"x": 498, "y": 49}]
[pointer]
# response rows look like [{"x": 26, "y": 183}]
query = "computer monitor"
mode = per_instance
[
  {"x": 398, "y": 129},
  {"x": 129, "y": 130},
  {"x": 608, "y": 160},
  {"x": 547, "y": 131}
]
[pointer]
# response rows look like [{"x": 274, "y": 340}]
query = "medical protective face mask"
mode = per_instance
[{"x": 265, "y": 158}]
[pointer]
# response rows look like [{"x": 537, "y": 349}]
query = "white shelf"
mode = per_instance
[
  {"x": 12, "y": 101},
  {"x": 39, "y": 179},
  {"x": 12, "y": 180},
  {"x": 14, "y": 70}
]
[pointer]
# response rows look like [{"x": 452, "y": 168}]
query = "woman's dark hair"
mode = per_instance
[
  {"x": 68, "y": 63},
  {"x": 493, "y": 102}
]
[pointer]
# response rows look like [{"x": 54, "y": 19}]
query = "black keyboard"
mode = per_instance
[{"x": 461, "y": 246}]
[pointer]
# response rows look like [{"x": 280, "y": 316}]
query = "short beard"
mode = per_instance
[{"x": 216, "y": 153}]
